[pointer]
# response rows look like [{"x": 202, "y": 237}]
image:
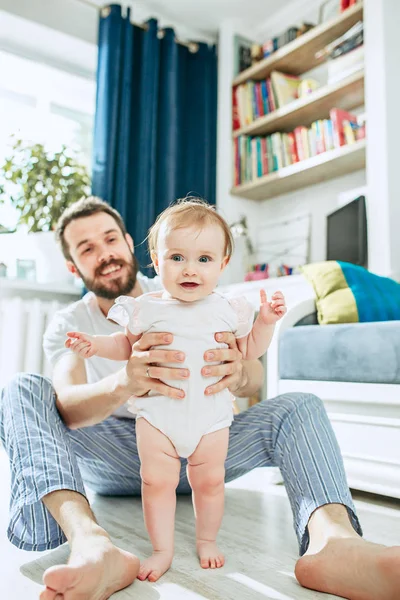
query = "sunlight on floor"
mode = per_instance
[
  {"x": 172, "y": 591},
  {"x": 269, "y": 592}
]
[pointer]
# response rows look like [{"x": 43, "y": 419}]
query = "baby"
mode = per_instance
[{"x": 190, "y": 245}]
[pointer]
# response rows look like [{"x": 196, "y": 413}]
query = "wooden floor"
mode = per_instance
[{"x": 257, "y": 538}]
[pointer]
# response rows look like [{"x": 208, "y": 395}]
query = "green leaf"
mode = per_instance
[{"x": 41, "y": 184}]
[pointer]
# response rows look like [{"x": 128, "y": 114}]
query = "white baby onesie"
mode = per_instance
[{"x": 193, "y": 325}]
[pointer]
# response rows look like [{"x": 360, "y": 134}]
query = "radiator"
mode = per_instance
[{"x": 22, "y": 325}]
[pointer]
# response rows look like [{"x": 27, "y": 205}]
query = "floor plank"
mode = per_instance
[{"x": 257, "y": 537}]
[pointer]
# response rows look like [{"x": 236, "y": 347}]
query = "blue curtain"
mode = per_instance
[{"x": 155, "y": 124}]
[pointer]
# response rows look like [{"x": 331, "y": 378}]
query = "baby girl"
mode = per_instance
[{"x": 190, "y": 245}]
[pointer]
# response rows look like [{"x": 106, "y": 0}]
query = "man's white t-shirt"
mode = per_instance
[{"x": 86, "y": 316}]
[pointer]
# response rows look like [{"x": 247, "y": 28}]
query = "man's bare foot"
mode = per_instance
[
  {"x": 352, "y": 568},
  {"x": 210, "y": 555},
  {"x": 95, "y": 570},
  {"x": 152, "y": 568}
]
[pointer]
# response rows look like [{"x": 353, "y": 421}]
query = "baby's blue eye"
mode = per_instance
[
  {"x": 176, "y": 258},
  {"x": 204, "y": 259}
]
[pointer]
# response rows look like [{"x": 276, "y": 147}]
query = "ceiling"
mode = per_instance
[{"x": 206, "y": 15}]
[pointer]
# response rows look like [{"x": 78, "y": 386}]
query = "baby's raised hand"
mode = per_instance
[
  {"x": 81, "y": 343},
  {"x": 271, "y": 312}
]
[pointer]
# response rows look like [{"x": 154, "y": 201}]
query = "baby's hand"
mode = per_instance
[
  {"x": 81, "y": 343},
  {"x": 271, "y": 312}
]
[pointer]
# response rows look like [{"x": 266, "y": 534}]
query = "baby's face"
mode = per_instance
[{"x": 190, "y": 260}]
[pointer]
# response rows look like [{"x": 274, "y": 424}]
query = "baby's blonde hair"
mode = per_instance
[{"x": 186, "y": 212}]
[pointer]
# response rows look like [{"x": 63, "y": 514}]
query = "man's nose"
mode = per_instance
[{"x": 104, "y": 254}]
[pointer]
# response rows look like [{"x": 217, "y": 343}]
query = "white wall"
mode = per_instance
[
  {"x": 231, "y": 207},
  {"x": 80, "y": 20},
  {"x": 318, "y": 200},
  {"x": 382, "y": 56},
  {"x": 63, "y": 33}
]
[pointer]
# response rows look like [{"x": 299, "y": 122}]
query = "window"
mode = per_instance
[{"x": 39, "y": 103}]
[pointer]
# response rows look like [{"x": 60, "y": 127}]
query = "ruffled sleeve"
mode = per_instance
[
  {"x": 245, "y": 315},
  {"x": 126, "y": 312}
]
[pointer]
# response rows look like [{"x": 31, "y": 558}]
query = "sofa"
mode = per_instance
[{"x": 355, "y": 369}]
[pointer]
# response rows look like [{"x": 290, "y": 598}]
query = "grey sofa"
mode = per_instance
[{"x": 355, "y": 369}]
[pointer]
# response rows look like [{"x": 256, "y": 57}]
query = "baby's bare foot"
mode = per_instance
[
  {"x": 210, "y": 555},
  {"x": 152, "y": 568}
]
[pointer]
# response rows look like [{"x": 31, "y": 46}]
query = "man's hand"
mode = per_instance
[
  {"x": 142, "y": 370},
  {"x": 231, "y": 370}
]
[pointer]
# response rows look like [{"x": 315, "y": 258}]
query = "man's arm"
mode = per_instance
[{"x": 82, "y": 404}]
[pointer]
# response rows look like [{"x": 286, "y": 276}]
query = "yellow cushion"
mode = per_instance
[{"x": 334, "y": 299}]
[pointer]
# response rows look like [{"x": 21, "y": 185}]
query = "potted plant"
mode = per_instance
[{"x": 40, "y": 184}]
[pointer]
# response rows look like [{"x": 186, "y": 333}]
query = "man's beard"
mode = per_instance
[{"x": 116, "y": 287}]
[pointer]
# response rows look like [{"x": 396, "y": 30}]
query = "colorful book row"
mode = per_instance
[
  {"x": 258, "y": 156},
  {"x": 255, "y": 99}
]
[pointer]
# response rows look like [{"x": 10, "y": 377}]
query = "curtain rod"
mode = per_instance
[{"x": 191, "y": 46}]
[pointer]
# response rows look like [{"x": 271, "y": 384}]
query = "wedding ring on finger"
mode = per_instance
[{"x": 147, "y": 372}]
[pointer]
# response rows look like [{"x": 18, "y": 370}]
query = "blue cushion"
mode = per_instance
[
  {"x": 347, "y": 293},
  {"x": 359, "y": 352},
  {"x": 377, "y": 298}
]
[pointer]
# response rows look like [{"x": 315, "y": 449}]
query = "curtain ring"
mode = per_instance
[
  {"x": 105, "y": 11},
  {"x": 193, "y": 47}
]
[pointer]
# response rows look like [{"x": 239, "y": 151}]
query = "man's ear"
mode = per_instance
[
  {"x": 225, "y": 262},
  {"x": 130, "y": 243},
  {"x": 154, "y": 259},
  {"x": 72, "y": 268}
]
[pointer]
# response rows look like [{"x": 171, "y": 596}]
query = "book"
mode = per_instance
[
  {"x": 235, "y": 110},
  {"x": 293, "y": 148},
  {"x": 345, "y": 65},
  {"x": 319, "y": 137},
  {"x": 272, "y": 166},
  {"x": 254, "y": 158},
  {"x": 337, "y": 116},
  {"x": 259, "y": 158},
  {"x": 298, "y": 135},
  {"x": 277, "y": 150},
  {"x": 271, "y": 98},
  {"x": 306, "y": 143},
  {"x": 259, "y": 100},
  {"x": 312, "y": 140},
  {"x": 264, "y": 150},
  {"x": 285, "y": 88},
  {"x": 268, "y": 48},
  {"x": 264, "y": 94}
]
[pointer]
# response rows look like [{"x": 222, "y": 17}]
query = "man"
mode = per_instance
[{"x": 76, "y": 429}]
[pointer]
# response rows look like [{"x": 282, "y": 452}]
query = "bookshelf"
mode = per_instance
[
  {"x": 298, "y": 56},
  {"x": 346, "y": 94},
  {"x": 322, "y": 167}
]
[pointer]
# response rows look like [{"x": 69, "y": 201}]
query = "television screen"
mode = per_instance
[{"x": 347, "y": 233}]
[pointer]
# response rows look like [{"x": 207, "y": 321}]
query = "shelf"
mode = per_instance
[
  {"x": 35, "y": 286},
  {"x": 346, "y": 94},
  {"x": 298, "y": 56},
  {"x": 322, "y": 167}
]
